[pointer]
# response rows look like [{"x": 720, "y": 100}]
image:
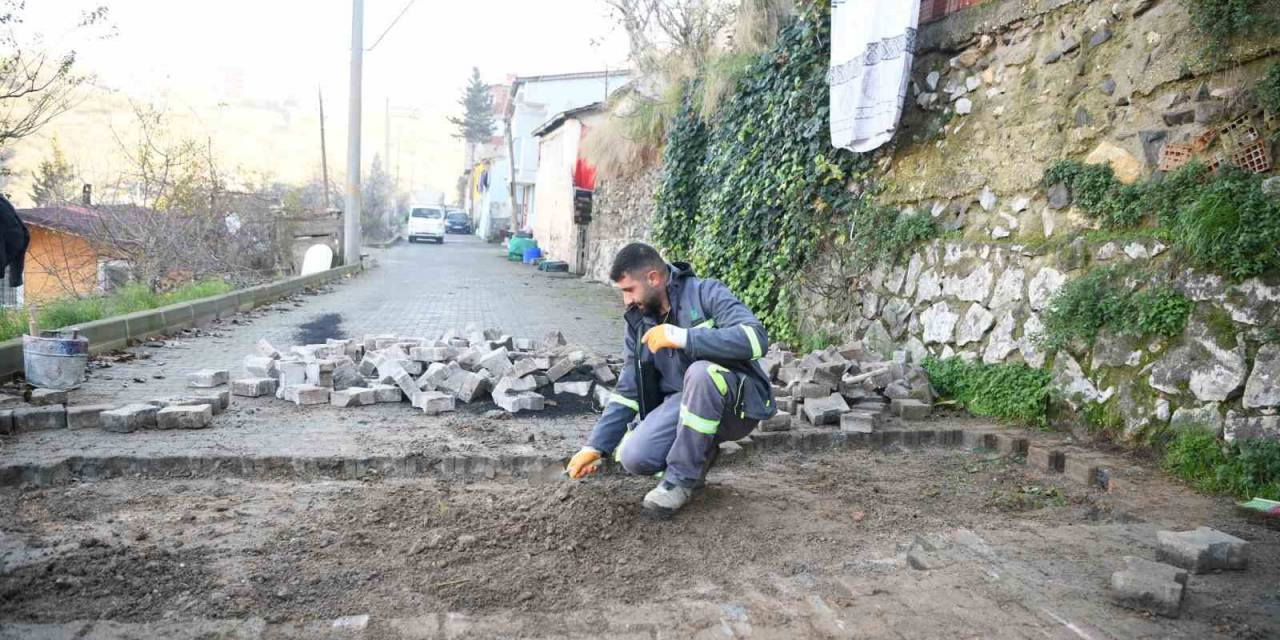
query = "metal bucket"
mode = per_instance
[{"x": 55, "y": 359}]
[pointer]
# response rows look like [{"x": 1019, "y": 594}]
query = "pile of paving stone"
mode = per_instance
[
  {"x": 845, "y": 387},
  {"x": 473, "y": 365}
]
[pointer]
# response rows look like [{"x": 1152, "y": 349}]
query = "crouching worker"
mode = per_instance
[{"x": 690, "y": 380}]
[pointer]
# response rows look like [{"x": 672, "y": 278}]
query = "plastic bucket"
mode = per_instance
[
  {"x": 55, "y": 360},
  {"x": 532, "y": 254}
]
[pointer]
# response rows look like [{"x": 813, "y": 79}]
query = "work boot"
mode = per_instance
[{"x": 666, "y": 499}]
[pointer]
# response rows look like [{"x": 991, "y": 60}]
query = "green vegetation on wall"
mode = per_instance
[
  {"x": 1221, "y": 22},
  {"x": 1221, "y": 222},
  {"x": 1269, "y": 91},
  {"x": 751, "y": 197},
  {"x": 1009, "y": 391},
  {"x": 1106, "y": 297},
  {"x": 1245, "y": 470}
]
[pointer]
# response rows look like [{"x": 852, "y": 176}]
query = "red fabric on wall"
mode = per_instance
[{"x": 584, "y": 175}]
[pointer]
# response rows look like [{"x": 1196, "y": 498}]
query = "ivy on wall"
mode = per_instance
[{"x": 753, "y": 195}]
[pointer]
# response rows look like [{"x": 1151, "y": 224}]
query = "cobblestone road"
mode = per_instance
[{"x": 417, "y": 289}]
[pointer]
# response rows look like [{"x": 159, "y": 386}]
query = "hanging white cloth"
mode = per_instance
[{"x": 872, "y": 45}]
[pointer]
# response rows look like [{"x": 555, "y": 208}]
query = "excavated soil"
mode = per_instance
[{"x": 788, "y": 545}]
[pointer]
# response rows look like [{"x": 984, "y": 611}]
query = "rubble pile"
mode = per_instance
[
  {"x": 518, "y": 374},
  {"x": 845, "y": 387}
]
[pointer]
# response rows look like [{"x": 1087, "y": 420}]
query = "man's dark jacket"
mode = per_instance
[{"x": 14, "y": 239}]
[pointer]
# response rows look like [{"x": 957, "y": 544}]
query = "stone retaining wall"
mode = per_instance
[
  {"x": 622, "y": 210},
  {"x": 984, "y": 300}
]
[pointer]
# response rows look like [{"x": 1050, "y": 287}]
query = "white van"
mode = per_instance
[{"x": 426, "y": 222}]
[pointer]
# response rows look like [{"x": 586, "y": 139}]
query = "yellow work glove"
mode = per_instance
[
  {"x": 583, "y": 463},
  {"x": 665, "y": 336}
]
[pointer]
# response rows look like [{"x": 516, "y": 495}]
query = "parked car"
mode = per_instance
[
  {"x": 457, "y": 222},
  {"x": 426, "y": 223}
]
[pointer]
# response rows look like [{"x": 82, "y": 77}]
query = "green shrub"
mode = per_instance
[
  {"x": 880, "y": 234},
  {"x": 66, "y": 312},
  {"x": 1231, "y": 227},
  {"x": 1101, "y": 298},
  {"x": 1195, "y": 455},
  {"x": 1009, "y": 391},
  {"x": 1096, "y": 191},
  {"x": 1269, "y": 90},
  {"x": 1246, "y": 470},
  {"x": 1222, "y": 21}
]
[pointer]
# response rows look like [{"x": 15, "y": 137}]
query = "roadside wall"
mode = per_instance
[
  {"x": 1001, "y": 91},
  {"x": 622, "y": 211}
]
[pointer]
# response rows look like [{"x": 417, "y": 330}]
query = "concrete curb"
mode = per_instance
[
  {"x": 109, "y": 334},
  {"x": 91, "y": 469}
]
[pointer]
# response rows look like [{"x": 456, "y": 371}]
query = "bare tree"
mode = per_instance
[
  {"x": 662, "y": 30},
  {"x": 35, "y": 85},
  {"x": 182, "y": 222}
]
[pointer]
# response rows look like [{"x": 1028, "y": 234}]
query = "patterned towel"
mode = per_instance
[{"x": 872, "y": 45}]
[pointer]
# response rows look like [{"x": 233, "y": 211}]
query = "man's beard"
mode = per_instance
[{"x": 651, "y": 305}]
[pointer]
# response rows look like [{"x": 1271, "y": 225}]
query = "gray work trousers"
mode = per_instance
[{"x": 677, "y": 436}]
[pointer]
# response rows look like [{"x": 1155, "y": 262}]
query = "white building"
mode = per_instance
[
  {"x": 534, "y": 101},
  {"x": 564, "y": 175}
]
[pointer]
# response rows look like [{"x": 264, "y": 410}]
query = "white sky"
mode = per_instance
[{"x": 215, "y": 57}]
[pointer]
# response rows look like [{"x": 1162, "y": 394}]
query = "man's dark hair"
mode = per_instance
[{"x": 636, "y": 257}]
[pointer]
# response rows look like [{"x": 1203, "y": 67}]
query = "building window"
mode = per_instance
[{"x": 9, "y": 296}]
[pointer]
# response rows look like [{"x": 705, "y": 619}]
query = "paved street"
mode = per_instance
[{"x": 416, "y": 289}]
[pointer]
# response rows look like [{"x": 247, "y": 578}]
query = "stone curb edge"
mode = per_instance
[
  {"x": 113, "y": 333},
  {"x": 1090, "y": 471}
]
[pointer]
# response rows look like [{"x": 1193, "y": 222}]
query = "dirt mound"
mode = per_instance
[
  {"x": 102, "y": 580},
  {"x": 558, "y": 547}
]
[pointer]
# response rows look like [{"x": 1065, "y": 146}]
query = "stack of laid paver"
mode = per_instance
[
  {"x": 845, "y": 387},
  {"x": 518, "y": 374}
]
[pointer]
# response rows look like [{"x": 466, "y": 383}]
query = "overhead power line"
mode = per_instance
[{"x": 390, "y": 26}]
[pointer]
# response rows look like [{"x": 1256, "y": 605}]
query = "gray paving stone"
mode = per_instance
[
  {"x": 434, "y": 402},
  {"x": 86, "y": 416},
  {"x": 254, "y": 387},
  {"x": 1202, "y": 550},
  {"x": 208, "y": 378},
  {"x": 46, "y": 397},
  {"x": 129, "y": 418},
  {"x": 781, "y": 421},
  {"x": 307, "y": 394},
  {"x": 820, "y": 411},
  {"x": 1149, "y": 586},
  {"x": 196, "y": 416},
  {"x": 39, "y": 418}
]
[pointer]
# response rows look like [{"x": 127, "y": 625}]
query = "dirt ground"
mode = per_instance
[{"x": 778, "y": 546}]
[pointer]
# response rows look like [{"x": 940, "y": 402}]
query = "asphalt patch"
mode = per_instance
[{"x": 321, "y": 328}]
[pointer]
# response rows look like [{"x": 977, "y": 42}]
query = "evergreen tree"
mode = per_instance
[
  {"x": 55, "y": 180},
  {"x": 375, "y": 215},
  {"x": 476, "y": 124}
]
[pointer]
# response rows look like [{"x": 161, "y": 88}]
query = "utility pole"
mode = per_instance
[
  {"x": 324, "y": 155},
  {"x": 351, "y": 216}
]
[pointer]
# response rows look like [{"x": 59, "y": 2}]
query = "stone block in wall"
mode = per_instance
[
  {"x": 1043, "y": 285},
  {"x": 1207, "y": 417},
  {"x": 1069, "y": 379},
  {"x": 938, "y": 324},
  {"x": 1245, "y": 428},
  {"x": 974, "y": 324},
  {"x": 1008, "y": 288},
  {"x": 1001, "y": 342},
  {"x": 1263, "y": 387}
]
